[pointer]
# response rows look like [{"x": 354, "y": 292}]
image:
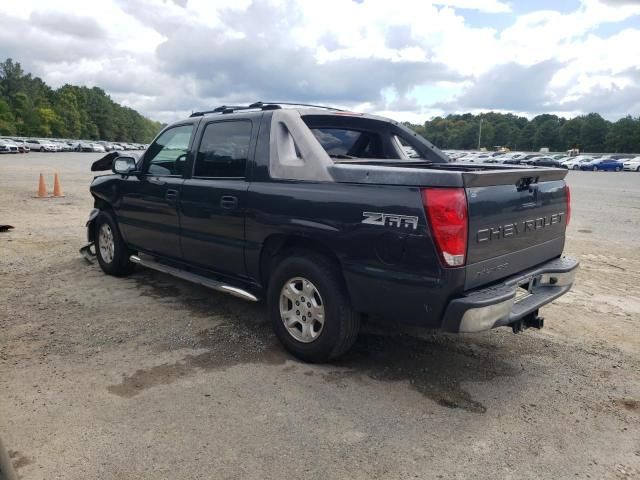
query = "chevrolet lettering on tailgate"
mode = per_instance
[{"x": 518, "y": 228}]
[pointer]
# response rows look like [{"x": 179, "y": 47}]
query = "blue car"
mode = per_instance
[{"x": 606, "y": 164}]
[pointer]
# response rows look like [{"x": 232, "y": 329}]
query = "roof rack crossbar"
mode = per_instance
[
  {"x": 260, "y": 105},
  {"x": 296, "y": 104}
]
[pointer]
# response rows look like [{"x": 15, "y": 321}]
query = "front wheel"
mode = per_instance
[
  {"x": 617, "y": 169},
  {"x": 595, "y": 169},
  {"x": 310, "y": 312},
  {"x": 111, "y": 250},
  {"x": 576, "y": 167},
  {"x": 638, "y": 169}
]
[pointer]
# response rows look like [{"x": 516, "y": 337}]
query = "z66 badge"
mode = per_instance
[{"x": 390, "y": 219}]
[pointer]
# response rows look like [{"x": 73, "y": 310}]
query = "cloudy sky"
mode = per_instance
[{"x": 408, "y": 59}]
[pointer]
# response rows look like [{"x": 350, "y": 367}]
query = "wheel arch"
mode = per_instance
[
  {"x": 277, "y": 246},
  {"x": 99, "y": 205}
]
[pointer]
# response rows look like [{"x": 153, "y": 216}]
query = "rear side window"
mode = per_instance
[
  {"x": 341, "y": 142},
  {"x": 224, "y": 150}
]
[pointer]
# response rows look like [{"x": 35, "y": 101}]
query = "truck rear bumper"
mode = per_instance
[{"x": 512, "y": 299}]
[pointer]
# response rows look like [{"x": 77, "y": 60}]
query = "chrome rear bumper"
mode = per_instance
[{"x": 512, "y": 299}]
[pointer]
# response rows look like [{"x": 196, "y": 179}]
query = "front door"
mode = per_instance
[
  {"x": 148, "y": 211},
  {"x": 213, "y": 201}
]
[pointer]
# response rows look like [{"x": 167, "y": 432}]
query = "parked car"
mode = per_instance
[
  {"x": 605, "y": 164},
  {"x": 117, "y": 146},
  {"x": 96, "y": 147},
  {"x": 83, "y": 147},
  {"x": 22, "y": 146},
  {"x": 547, "y": 162},
  {"x": 8, "y": 146},
  {"x": 575, "y": 162},
  {"x": 41, "y": 145},
  {"x": 632, "y": 164},
  {"x": 62, "y": 146},
  {"x": 322, "y": 220},
  {"x": 527, "y": 159}
]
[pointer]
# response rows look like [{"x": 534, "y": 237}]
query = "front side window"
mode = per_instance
[
  {"x": 168, "y": 154},
  {"x": 224, "y": 150}
]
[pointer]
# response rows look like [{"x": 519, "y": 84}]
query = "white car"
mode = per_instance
[
  {"x": 96, "y": 147},
  {"x": 632, "y": 164},
  {"x": 22, "y": 146},
  {"x": 41, "y": 145},
  {"x": 7, "y": 146},
  {"x": 575, "y": 162}
]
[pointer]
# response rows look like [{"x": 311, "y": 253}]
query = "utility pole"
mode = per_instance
[{"x": 480, "y": 134}]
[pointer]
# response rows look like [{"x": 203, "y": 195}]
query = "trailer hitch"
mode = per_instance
[{"x": 529, "y": 321}]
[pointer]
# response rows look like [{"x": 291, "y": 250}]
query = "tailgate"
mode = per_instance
[{"x": 517, "y": 220}]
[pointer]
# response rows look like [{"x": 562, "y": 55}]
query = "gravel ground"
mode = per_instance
[{"x": 151, "y": 377}]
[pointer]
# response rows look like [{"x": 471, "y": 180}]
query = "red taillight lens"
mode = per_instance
[
  {"x": 567, "y": 192},
  {"x": 446, "y": 209}
]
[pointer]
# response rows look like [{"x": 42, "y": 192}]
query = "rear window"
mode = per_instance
[{"x": 342, "y": 142}]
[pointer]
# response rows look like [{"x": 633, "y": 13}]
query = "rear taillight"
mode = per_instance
[
  {"x": 446, "y": 210},
  {"x": 567, "y": 192}
]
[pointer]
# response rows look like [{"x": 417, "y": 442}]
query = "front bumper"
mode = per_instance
[{"x": 513, "y": 299}]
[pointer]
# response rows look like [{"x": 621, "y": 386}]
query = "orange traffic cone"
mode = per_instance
[
  {"x": 42, "y": 188},
  {"x": 57, "y": 189}
]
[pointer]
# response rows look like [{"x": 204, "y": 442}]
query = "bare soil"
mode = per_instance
[{"x": 152, "y": 377}]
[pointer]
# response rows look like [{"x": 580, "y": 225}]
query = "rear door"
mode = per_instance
[
  {"x": 148, "y": 210},
  {"x": 213, "y": 201}
]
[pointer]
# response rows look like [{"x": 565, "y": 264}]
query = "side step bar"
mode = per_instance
[{"x": 194, "y": 278}]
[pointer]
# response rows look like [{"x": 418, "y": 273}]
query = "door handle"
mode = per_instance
[
  {"x": 171, "y": 196},
  {"x": 229, "y": 202}
]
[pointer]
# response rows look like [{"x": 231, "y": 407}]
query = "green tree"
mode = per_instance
[
  {"x": 593, "y": 133},
  {"x": 7, "y": 121},
  {"x": 624, "y": 136}
]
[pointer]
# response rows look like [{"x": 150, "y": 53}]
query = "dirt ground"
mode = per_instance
[{"x": 150, "y": 377}]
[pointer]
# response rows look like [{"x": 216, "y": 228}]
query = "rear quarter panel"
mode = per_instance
[{"x": 392, "y": 270}]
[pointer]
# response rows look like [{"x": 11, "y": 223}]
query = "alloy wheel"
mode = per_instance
[
  {"x": 106, "y": 243},
  {"x": 302, "y": 309}
]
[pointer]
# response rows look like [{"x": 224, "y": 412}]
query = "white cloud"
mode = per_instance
[{"x": 166, "y": 57}]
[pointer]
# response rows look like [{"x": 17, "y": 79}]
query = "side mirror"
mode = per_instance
[{"x": 124, "y": 165}]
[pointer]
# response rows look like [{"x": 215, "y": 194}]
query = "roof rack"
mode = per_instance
[
  {"x": 259, "y": 106},
  {"x": 296, "y": 104}
]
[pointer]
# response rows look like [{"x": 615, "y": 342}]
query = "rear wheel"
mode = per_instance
[
  {"x": 111, "y": 250},
  {"x": 617, "y": 169},
  {"x": 576, "y": 167},
  {"x": 310, "y": 312}
]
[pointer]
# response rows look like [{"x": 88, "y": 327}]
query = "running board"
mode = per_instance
[{"x": 194, "y": 278}]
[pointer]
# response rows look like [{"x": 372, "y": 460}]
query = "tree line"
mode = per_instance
[
  {"x": 589, "y": 133},
  {"x": 30, "y": 108}
]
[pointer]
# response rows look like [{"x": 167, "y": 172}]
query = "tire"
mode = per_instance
[
  {"x": 617, "y": 169},
  {"x": 113, "y": 255},
  {"x": 311, "y": 274},
  {"x": 595, "y": 169},
  {"x": 638, "y": 169},
  {"x": 576, "y": 167}
]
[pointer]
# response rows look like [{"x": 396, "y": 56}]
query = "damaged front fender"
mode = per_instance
[{"x": 87, "y": 251}]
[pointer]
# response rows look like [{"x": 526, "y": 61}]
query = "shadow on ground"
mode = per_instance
[{"x": 436, "y": 366}]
